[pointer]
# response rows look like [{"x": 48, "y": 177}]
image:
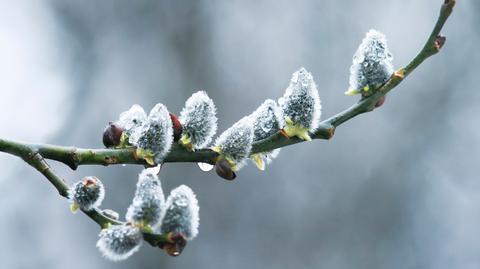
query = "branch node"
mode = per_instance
[
  {"x": 399, "y": 74},
  {"x": 439, "y": 42},
  {"x": 110, "y": 160},
  {"x": 331, "y": 132}
]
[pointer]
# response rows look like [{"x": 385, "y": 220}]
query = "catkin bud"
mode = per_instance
[
  {"x": 235, "y": 144},
  {"x": 181, "y": 215},
  {"x": 199, "y": 121},
  {"x": 116, "y": 133},
  {"x": 371, "y": 66},
  {"x": 148, "y": 202},
  {"x": 267, "y": 121},
  {"x": 154, "y": 138},
  {"x": 301, "y": 105},
  {"x": 132, "y": 119},
  {"x": 86, "y": 194},
  {"x": 118, "y": 242}
]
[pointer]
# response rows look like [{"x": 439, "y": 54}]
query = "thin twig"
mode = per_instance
[{"x": 34, "y": 158}]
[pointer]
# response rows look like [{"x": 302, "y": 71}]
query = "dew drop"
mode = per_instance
[
  {"x": 205, "y": 167},
  {"x": 155, "y": 170}
]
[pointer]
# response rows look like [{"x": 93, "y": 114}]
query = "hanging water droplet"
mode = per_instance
[
  {"x": 205, "y": 167},
  {"x": 123, "y": 165},
  {"x": 155, "y": 170}
]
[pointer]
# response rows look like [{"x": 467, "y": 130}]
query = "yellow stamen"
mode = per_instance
[
  {"x": 297, "y": 130},
  {"x": 146, "y": 155},
  {"x": 186, "y": 142},
  {"x": 258, "y": 160},
  {"x": 351, "y": 92},
  {"x": 216, "y": 149},
  {"x": 74, "y": 207},
  {"x": 232, "y": 163}
]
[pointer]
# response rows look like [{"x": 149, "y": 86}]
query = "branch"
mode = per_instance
[
  {"x": 35, "y": 159},
  {"x": 73, "y": 157},
  {"x": 35, "y": 154}
]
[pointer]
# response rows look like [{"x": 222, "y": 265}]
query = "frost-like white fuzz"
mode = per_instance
[
  {"x": 148, "y": 203},
  {"x": 199, "y": 120},
  {"x": 372, "y": 63},
  {"x": 267, "y": 121},
  {"x": 131, "y": 119},
  {"x": 235, "y": 143},
  {"x": 87, "y": 193},
  {"x": 301, "y": 102},
  {"x": 119, "y": 242},
  {"x": 181, "y": 213},
  {"x": 156, "y": 133}
]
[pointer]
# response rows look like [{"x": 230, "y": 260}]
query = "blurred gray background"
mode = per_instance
[{"x": 397, "y": 188}]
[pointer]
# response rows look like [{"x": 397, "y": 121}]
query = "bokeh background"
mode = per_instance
[{"x": 397, "y": 188}]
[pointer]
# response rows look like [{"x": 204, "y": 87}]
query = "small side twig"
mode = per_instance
[{"x": 33, "y": 157}]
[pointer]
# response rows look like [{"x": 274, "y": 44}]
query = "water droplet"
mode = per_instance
[
  {"x": 205, "y": 167},
  {"x": 155, "y": 170},
  {"x": 123, "y": 165}
]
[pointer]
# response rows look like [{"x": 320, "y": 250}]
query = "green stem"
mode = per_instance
[{"x": 34, "y": 158}]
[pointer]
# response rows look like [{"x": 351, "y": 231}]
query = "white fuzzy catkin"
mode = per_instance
[
  {"x": 372, "y": 63},
  {"x": 236, "y": 142},
  {"x": 267, "y": 121},
  {"x": 131, "y": 119},
  {"x": 156, "y": 133},
  {"x": 87, "y": 193},
  {"x": 182, "y": 213},
  {"x": 199, "y": 120},
  {"x": 119, "y": 242},
  {"x": 301, "y": 101},
  {"x": 148, "y": 203}
]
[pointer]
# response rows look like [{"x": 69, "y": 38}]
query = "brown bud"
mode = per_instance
[
  {"x": 284, "y": 133},
  {"x": 112, "y": 135},
  {"x": 177, "y": 127},
  {"x": 380, "y": 101},
  {"x": 176, "y": 245},
  {"x": 439, "y": 42},
  {"x": 89, "y": 181},
  {"x": 224, "y": 170}
]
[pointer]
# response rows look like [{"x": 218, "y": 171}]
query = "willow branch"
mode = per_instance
[
  {"x": 73, "y": 157},
  {"x": 34, "y": 158},
  {"x": 35, "y": 154}
]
